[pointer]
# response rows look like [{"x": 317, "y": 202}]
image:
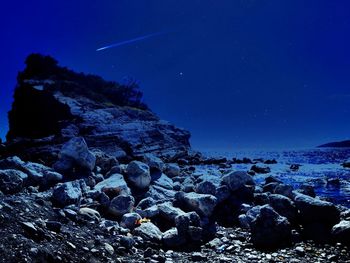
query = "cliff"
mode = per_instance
[{"x": 53, "y": 104}]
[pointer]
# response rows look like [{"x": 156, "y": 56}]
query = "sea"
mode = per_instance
[{"x": 318, "y": 167}]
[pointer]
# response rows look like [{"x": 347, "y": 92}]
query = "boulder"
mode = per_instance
[
  {"x": 163, "y": 181},
  {"x": 130, "y": 220},
  {"x": 203, "y": 204},
  {"x": 315, "y": 210},
  {"x": 169, "y": 212},
  {"x": 341, "y": 232},
  {"x": 269, "y": 229},
  {"x": 12, "y": 181},
  {"x": 235, "y": 180},
  {"x": 284, "y": 189},
  {"x": 75, "y": 153},
  {"x": 172, "y": 170},
  {"x": 120, "y": 205},
  {"x": 206, "y": 187},
  {"x": 172, "y": 239},
  {"x": 138, "y": 174},
  {"x": 307, "y": 190},
  {"x": 284, "y": 206},
  {"x": 149, "y": 232},
  {"x": 260, "y": 169},
  {"x": 160, "y": 194},
  {"x": 105, "y": 161},
  {"x": 67, "y": 193},
  {"x": 113, "y": 186},
  {"x": 154, "y": 163}
]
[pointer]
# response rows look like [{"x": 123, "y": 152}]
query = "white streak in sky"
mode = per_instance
[{"x": 127, "y": 42}]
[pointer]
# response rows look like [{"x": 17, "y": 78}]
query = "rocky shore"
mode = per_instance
[{"x": 102, "y": 180}]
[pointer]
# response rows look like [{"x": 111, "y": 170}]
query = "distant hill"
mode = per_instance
[{"x": 342, "y": 144}]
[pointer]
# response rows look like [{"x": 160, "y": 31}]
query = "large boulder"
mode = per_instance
[
  {"x": 160, "y": 194},
  {"x": 284, "y": 206},
  {"x": 75, "y": 153},
  {"x": 67, "y": 193},
  {"x": 120, "y": 205},
  {"x": 203, "y": 204},
  {"x": 163, "y": 181},
  {"x": 172, "y": 170},
  {"x": 172, "y": 239},
  {"x": 37, "y": 174},
  {"x": 341, "y": 232},
  {"x": 11, "y": 181},
  {"x": 315, "y": 210},
  {"x": 169, "y": 212},
  {"x": 149, "y": 232},
  {"x": 269, "y": 229},
  {"x": 236, "y": 180},
  {"x": 113, "y": 186},
  {"x": 154, "y": 163},
  {"x": 206, "y": 187},
  {"x": 138, "y": 174}
]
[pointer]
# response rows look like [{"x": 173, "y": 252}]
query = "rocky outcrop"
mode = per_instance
[{"x": 53, "y": 104}]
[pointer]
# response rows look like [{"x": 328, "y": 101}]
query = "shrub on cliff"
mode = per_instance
[{"x": 40, "y": 67}]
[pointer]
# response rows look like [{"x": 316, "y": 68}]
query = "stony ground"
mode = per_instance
[{"x": 32, "y": 231}]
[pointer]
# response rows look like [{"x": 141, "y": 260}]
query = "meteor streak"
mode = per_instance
[{"x": 130, "y": 41}]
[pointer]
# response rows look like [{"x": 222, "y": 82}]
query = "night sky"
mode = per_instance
[{"x": 238, "y": 74}]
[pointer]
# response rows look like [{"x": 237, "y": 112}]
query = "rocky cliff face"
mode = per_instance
[{"x": 53, "y": 104}]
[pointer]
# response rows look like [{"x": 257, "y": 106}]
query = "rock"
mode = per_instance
[
  {"x": 307, "y": 190},
  {"x": 341, "y": 232},
  {"x": 149, "y": 212},
  {"x": 149, "y": 232},
  {"x": 206, "y": 187},
  {"x": 138, "y": 174},
  {"x": 169, "y": 212},
  {"x": 333, "y": 182},
  {"x": 109, "y": 248},
  {"x": 315, "y": 210},
  {"x": 245, "y": 220},
  {"x": 105, "y": 161},
  {"x": 270, "y": 187},
  {"x": 67, "y": 193},
  {"x": 76, "y": 153},
  {"x": 89, "y": 213},
  {"x": 235, "y": 180},
  {"x": 120, "y": 205},
  {"x": 294, "y": 167},
  {"x": 260, "y": 170},
  {"x": 271, "y": 179},
  {"x": 163, "y": 181},
  {"x": 198, "y": 256},
  {"x": 146, "y": 203},
  {"x": 172, "y": 239},
  {"x": 11, "y": 181},
  {"x": 113, "y": 186},
  {"x": 269, "y": 229},
  {"x": 159, "y": 193},
  {"x": 284, "y": 206},
  {"x": 154, "y": 163},
  {"x": 300, "y": 251},
  {"x": 184, "y": 221},
  {"x": 285, "y": 190},
  {"x": 172, "y": 170},
  {"x": 203, "y": 204},
  {"x": 130, "y": 220},
  {"x": 222, "y": 193}
]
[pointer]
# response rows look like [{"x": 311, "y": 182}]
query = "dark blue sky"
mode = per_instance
[{"x": 236, "y": 73}]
